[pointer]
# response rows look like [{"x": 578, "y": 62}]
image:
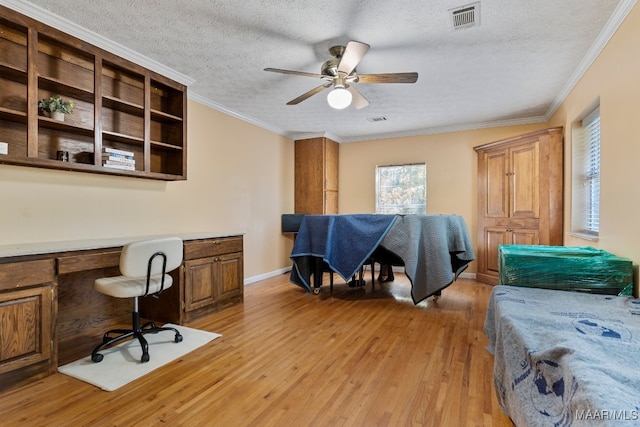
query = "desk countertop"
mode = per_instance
[{"x": 21, "y": 249}]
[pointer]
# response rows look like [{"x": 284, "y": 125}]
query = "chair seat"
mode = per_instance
[{"x": 127, "y": 287}]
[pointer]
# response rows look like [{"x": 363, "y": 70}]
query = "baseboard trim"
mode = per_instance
[{"x": 259, "y": 277}]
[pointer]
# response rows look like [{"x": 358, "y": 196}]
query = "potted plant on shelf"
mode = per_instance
[{"x": 55, "y": 107}]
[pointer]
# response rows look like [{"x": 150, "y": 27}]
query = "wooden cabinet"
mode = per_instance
[
  {"x": 117, "y": 104},
  {"x": 50, "y": 313},
  {"x": 213, "y": 275},
  {"x": 26, "y": 313},
  {"x": 316, "y": 176},
  {"x": 520, "y": 195}
]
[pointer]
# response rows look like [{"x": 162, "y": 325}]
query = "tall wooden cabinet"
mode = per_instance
[
  {"x": 520, "y": 195},
  {"x": 316, "y": 176},
  {"x": 117, "y": 105}
]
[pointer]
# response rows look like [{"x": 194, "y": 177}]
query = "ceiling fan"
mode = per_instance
[{"x": 339, "y": 72}]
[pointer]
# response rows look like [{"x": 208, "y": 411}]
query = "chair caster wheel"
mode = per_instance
[
  {"x": 144, "y": 358},
  {"x": 316, "y": 291},
  {"x": 96, "y": 358},
  {"x": 178, "y": 338}
]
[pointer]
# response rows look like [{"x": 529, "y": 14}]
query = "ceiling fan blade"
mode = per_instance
[
  {"x": 388, "y": 78},
  {"x": 307, "y": 95},
  {"x": 358, "y": 100},
  {"x": 295, "y": 73},
  {"x": 352, "y": 56}
]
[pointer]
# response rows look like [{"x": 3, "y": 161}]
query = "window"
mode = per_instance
[
  {"x": 401, "y": 189},
  {"x": 585, "y": 198}
]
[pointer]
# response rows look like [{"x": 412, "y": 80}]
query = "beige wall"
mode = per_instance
[
  {"x": 240, "y": 179},
  {"x": 614, "y": 78}
]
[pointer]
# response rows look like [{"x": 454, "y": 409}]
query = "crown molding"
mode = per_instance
[
  {"x": 447, "y": 129},
  {"x": 219, "y": 107},
  {"x": 40, "y": 14},
  {"x": 612, "y": 25}
]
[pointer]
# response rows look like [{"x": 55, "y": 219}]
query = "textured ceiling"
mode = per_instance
[{"x": 513, "y": 68}]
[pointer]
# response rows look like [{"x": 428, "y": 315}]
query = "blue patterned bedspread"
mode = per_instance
[{"x": 565, "y": 358}]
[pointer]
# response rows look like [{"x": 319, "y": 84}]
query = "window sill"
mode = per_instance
[{"x": 584, "y": 236}]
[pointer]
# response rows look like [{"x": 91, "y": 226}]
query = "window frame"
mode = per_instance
[
  {"x": 586, "y": 176},
  {"x": 412, "y": 208}
]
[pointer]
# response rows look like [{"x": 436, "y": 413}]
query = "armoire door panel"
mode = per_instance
[
  {"x": 496, "y": 184},
  {"x": 525, "y": 237},
  {"x": 494, "y": 237},
  {"x": 525, "y": 181}
]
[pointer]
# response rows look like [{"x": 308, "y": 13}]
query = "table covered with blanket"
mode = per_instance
[
  {"x": 433, "y": 248},
  {"x": 565, "y": 358}
]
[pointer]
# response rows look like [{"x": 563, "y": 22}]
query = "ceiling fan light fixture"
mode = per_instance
[{"x": 339, "y": 98}]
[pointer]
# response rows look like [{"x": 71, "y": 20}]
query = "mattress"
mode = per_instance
[{"x": 565, "y": 358}]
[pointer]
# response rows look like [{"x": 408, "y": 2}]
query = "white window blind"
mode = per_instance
[
  {"x": 586, "y": 176},
  {"x": 401, "y": 189}
]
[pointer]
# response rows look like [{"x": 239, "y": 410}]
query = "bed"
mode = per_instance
[{"x": 565, "y": 358}]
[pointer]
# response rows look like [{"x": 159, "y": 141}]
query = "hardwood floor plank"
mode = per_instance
[{"x": 287, "y": 357}]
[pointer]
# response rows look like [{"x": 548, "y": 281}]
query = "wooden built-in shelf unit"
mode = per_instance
[{"x": 118, "y": 104}]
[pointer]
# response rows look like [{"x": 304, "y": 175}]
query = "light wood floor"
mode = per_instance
[{"x": 289, "y": 358}]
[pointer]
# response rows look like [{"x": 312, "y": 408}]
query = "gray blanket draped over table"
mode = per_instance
[
  {"x": 434, "y": 248},
  {"x": 565, "y": 358}
]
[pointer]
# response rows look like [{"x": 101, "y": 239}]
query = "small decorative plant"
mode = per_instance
[{"x": 55, "y": 104}]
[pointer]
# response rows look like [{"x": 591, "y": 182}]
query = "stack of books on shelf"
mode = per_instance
[{"x": 118, "y": 159}]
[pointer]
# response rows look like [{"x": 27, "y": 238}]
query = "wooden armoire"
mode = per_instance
[
  {"x": 316, "y": 176},
  {"x": 520, "y": 195}
]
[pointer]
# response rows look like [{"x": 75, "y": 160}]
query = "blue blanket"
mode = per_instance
[{"x": 343, "y": 242}]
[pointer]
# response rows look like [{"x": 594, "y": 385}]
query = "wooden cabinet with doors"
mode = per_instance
[
  {"x": 26, "y": 313},
  {"x": 117, "y": 105},
  {"x": 316, "y": 176},
  {"x": 520, "y": 195},
  {"x": 213, "y": 275}
]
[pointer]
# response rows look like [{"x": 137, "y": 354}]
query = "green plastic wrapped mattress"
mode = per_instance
[{"x": 568, "y": 268}]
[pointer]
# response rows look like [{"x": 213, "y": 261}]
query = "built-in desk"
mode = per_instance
[{"x": 49, "y": 312}]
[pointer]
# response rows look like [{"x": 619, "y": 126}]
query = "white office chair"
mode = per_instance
[{"x": 144, "y": 266}]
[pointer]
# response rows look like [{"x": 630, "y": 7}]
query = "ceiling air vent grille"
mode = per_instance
[
  {"x": 377, "y": 119},
  {"x": 465, "y": 16}
]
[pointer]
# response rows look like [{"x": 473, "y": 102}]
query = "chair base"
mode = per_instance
[{"x": 136, "y": 332}]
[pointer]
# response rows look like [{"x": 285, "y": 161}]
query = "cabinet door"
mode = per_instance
[
  {"x": 30, "y": 343},
  {"x": 496, "y": 183},
  {"x": 493, "y": 237},
  {"x": 229, "y": 279},
  {"x": 525, "y": 181},
  {"x": 330, "y": 202},
  {"x": 331, "y": 165},
  {"x": 200, "y": 275},
  {"x": 525, "y": 237}
]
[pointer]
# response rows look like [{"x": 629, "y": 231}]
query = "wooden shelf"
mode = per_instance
[
  {"x": 165, "y": 117},
  {"x": 10, "y": 72},
  {"x": 120, "y": 137},
  {"x": 49, "y": 123},
  {"x": 165, "y": 146},
  {"x": 70, "y": 90},
  {"x": 13, "y": 115},
  {"x": 117, "y": 104},
  {"x": 122, "y": 105}
]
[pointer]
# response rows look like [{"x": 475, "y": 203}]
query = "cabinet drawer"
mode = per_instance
[
  {"x": 26, "y": 273},
  {"x": 212, "y": 247}
]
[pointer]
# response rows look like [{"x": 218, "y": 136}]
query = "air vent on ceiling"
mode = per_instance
[
  {"x": 377, "y": 119},
  {"x": 465, "y": 16}
]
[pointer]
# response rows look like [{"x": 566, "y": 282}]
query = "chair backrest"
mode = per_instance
[{"x": 134, "y": 260}]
